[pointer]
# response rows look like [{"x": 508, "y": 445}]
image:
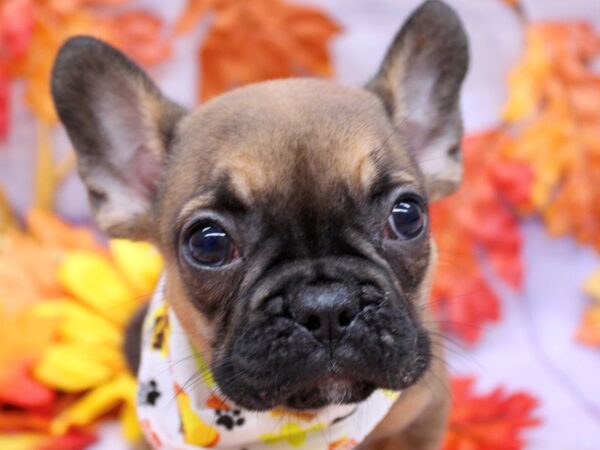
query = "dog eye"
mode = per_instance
[
  {"x": 407, "y": 219},
  {"x": 209, "y": 245}
]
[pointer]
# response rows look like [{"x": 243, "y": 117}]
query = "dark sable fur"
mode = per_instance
[
  {"x": 133, "y": 340},
  {"x": 302, "y": 174}
]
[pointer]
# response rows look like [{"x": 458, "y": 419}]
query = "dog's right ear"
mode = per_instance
[{"x": 121, "y": 127}]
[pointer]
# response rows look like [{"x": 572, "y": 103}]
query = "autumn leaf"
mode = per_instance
[
  {"x": 553, "y": 114},
  {"x": 73, "y": 440},
  {"x": 16, "y": 24},
  {"x": 46, "y": 25},
  {"x": 136, "y": 32},
  {"x": 24, "y": 338},
  {"x": 30, "y": 256},
  {"x": 478, "y": 221},
  {"x": 64, "y": 300},
  {"x": 4, "y": 105},
  {"x": 589, "y": 328},
  {"x": 494, "y": 421},
  {"x": 259, "y": 40}
]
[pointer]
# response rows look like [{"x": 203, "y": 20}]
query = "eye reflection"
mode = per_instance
[
  {"x": 407, "y": 219},
  {"x": 209, "y": 245}
]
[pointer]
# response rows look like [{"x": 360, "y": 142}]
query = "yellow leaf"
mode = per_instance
[
  {"x": 77, "y": 323},
  {"x": 22, "y": 441},
  {"x": 526, "y": 80},
  {"x": 130, "y": 424},
  {"x": 592, "y": 285},
  {"x": 139, "y": 262},
  {"x": 95, "y": 404},
  {"x": 94, "y": 281},
  {"x": 74, "y": 367}
]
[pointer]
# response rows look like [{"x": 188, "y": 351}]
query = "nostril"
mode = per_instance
[
  {"x": 313, "y": 322},
  {"x": 345, "y": 318}
]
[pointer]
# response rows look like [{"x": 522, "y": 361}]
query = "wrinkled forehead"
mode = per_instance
[{"x": 276, "y": 138}]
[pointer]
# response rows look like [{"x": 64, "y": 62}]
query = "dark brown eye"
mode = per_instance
[
  {"x": 407, "y": 219},
  {"x": 209, "y": 245}
]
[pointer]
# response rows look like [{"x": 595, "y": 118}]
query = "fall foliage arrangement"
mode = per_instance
[{"x": 59, "y": 382}]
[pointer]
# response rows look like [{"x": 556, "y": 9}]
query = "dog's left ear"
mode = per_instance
[{"x": 419, "y": 83}]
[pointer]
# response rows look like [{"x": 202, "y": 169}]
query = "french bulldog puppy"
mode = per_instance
[{"x": 293, "y": 219}]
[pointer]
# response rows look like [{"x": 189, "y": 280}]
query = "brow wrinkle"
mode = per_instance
[{"x": 191, "y": 206}]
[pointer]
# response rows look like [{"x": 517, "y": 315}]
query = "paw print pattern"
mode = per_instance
[
  {"x": 229, "y": 419},
  {"x": 149, "y": 393}
]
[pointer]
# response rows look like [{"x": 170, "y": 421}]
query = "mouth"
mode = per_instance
[
  {"x": 298, "y": 372},
  {"x": 330, "y": 390}
]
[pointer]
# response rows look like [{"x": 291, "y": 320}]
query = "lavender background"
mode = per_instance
[{"x": 532, "y": 348}]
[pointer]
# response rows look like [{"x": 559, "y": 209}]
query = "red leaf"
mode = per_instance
[
  {"x": 493, "y": 421},
  {"x": 73, "y": 440},
  {"x": 19, "y": 388},
  {"x": 478, "y": 221},
  {"x": 16, "y": 28},
  {"x": 4, "y": 105}
]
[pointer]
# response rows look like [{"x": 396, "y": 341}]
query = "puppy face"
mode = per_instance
[{"x": 292, "y": 214}]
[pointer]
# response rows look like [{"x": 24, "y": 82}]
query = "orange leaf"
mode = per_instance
[
  {"x": 494, "y": 421},
  {"x": 553, "y": 107},
  {"x": 135, "y": 32},
  {"x": 193, "y": 12},
  {"x": 138, "y": 33},
  {"x": 478, "y": 219},
  {"x": 589, "y": 328},
  {"x": 19, "y": 388},
  {"x": 259, "y": 40},
  {"x": 24, "y": 337},
  {"x": 51, "y": 231},
  {"x": 29, "y": 259}
]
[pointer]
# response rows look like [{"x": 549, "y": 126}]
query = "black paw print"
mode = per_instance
[
  {"x": 149, "y": 393},
  {"x": 230, "y": 419}
]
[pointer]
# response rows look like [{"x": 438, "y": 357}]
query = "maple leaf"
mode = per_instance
[
  {"x": 493, "y": 421},
  {"x": 589, "y": 328},
  {"x": 136, "y": 32},
  {"x": 24, "y": 338},
  {"x": 16, "y": 23},
  {"x": 478, "y": 219},
  {"x": 29, "y": 258},
  {"x": 555, "y": 120},
  {"x": 4, "y": 105},
  {"x": 259, "y": 40}
]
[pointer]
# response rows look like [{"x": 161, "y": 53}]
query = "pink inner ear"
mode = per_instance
[
  {"x": 144, "y": 170},
  {"x": 414, "y": 134},
  {"x": 131, "y": 152}
]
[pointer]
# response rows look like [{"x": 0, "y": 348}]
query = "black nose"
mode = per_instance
[{"x": 326, "y": 311}]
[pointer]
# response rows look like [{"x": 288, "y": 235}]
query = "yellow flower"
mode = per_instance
[{"x": 87, "y": 356}]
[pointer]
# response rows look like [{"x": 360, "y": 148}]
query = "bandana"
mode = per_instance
[{"x": 180, "y": 407}]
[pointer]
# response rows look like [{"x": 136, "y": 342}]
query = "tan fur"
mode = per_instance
[
  {"x": 259, "y": 165},
  {"x": 150, "y": 167},
  {"x": 418, "y": 419}
]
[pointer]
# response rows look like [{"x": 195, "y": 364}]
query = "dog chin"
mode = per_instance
[{"x": 328, "y": 391}]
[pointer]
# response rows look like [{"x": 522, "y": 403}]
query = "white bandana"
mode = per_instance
[{"x": 180, "y": 410}]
